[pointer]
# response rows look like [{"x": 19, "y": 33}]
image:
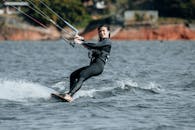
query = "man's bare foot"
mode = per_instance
[{"x": 68, "y": 98}]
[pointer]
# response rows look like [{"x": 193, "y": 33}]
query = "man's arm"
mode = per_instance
[
  {"x": 95, "y": 45},
  {"x": 80, "y": 40}
]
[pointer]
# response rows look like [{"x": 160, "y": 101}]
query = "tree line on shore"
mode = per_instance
[{"x": 75, "y": 12}]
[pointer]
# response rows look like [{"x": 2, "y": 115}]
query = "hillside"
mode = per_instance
[
  {"x": 14, "y": 28},
  {"x": 180, "y": 13}
]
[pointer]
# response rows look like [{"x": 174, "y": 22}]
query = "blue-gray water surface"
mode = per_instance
[{"x": 146, "y": 85}]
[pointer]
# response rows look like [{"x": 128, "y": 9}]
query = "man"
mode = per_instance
[{"x": 99, "y": 55}]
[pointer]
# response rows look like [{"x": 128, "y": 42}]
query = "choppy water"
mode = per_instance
[{"x": 145, "y": 86}]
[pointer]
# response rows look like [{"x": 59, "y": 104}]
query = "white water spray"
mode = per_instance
[{"x": 23, "y": 90}]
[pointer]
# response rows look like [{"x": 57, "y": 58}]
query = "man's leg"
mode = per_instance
[
  {"x": 74, "y": 77},
  {"x": 84, "y": 74},
  {"x": 76, "y": 86}
]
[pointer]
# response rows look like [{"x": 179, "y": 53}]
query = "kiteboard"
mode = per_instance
[{"x": 59, "y": 97}]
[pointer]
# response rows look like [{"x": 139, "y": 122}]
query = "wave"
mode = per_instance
[
  {"x": 23, "y": 90},
  {"x": 191, "y": 84},
  {"x": 129, "y": 84},
  {"x": 60, "y": 86},
  {"x": 120, "y": 87}
]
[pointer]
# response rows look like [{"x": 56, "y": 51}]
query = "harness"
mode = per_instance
[{"x": 101, "y": 54}]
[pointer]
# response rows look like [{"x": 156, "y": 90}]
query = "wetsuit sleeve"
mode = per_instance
[{"x": 95, "y": 45}]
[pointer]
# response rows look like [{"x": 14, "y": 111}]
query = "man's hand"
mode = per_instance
[{"x": 78, "y": 39}]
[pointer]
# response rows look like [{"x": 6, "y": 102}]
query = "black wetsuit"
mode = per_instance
[{"x": 99, "y": 54}]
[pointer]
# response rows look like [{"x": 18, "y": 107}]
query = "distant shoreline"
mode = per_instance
[
  {"x": 21, "y": 31},
  {"x": 162, "y": 32}
]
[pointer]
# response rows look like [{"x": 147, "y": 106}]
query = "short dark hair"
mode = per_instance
[{"x": 104, "y": 25}]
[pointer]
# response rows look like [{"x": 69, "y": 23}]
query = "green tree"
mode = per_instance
[
  {"x": 176, "y": 8},
  {"x": 166, "y": 8},
  {"x": 71, "y": 10}
]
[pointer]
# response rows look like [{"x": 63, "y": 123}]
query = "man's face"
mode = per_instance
[{"x": 103, "y": 32}]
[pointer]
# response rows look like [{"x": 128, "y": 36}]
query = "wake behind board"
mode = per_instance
[{"x": 59, "y": 97}]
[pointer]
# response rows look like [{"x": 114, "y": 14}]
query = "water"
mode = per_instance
[{"x": 145, "y": 86}]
